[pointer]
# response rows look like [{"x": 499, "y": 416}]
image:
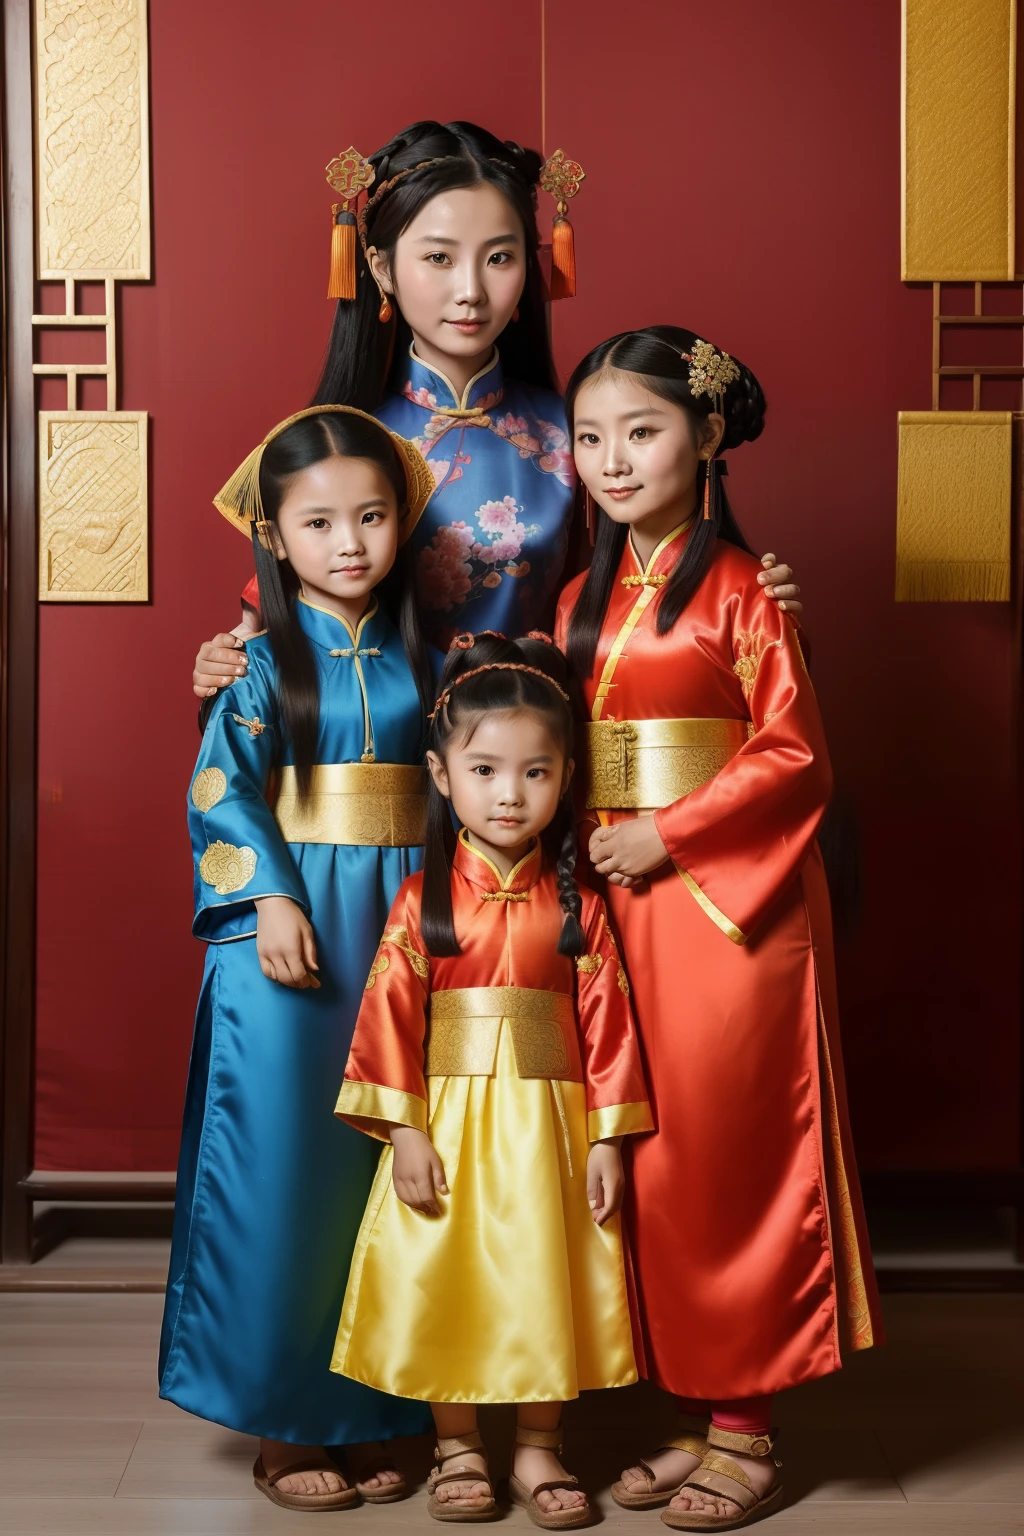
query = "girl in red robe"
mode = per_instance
[
  {"x": 495, "y": 1053},
  {"x": 707, "y": 777}
]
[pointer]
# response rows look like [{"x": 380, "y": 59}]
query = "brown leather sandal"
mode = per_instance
[
  {"x": 693, "y": 1441},
  {"x": 384, "y": 1493},
  {"x": 722, "y": 1475},
  {"x": 345, "y": 1498},
  {"x": 519, "y": 1493},
  {"x": 479, "y": 1509}
]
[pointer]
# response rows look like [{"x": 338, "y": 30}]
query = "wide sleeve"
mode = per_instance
[
  {"x": 738, "y": 840},
  {"x": 237, "y": 847},
  {"x": 616, "y": 1094},
  {"x": 384, "y": 1082}
]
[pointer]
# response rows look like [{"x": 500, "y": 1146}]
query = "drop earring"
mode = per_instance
[
  {"x": 709, "y": 472},
  {"x": 385, "y": 311},
  {"x": 588, "y": 513}
]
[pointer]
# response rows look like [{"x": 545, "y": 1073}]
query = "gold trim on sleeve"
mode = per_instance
[
  {"x": 707, "y": 905},
  {"x": 208, "y": 786},
  {"x": 227, "y": 868},
  {"x": 370, "y": 1101},
  {"x": 619, "y": 1120}
]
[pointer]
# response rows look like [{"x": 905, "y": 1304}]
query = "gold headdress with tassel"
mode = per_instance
[
  {"x": 349, "y": 174},
  {"x": 241, "y": 503},
  {"x": 561, "y": 178}
]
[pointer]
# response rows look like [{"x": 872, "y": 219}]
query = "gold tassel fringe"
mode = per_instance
[{"x": 952, "y": 581}]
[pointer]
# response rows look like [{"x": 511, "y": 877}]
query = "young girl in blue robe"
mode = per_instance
[{"x": 306, "y": 814}]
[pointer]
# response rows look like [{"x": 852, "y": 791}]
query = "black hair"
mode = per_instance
[
  {"x": 361, "y": 349},
  {"x": 490, "y": 692},
  {"x": 299, "y": 446},
  {"x": 656, "y": 356}
]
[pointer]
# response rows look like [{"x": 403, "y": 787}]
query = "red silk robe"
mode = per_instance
[{"x": 746, "y": 1226}]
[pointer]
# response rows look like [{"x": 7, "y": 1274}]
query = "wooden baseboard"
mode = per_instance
[
  {"x": 51, "y": 1279},
  {"x": 146, "y": 1188}
]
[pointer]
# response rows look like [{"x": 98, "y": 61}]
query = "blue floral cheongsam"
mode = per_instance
[{"x": 490, "y": 547}]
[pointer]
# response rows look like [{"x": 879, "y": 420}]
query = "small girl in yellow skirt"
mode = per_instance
[{"x": 495, "y": 1052}]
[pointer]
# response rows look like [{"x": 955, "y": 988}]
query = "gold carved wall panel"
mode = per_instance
[
  {"x": 959, "y": 66},
  {"x": 92, "y": 223}
]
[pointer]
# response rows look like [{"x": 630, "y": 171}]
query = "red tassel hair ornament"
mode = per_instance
[{"x": 562, "y": 178}]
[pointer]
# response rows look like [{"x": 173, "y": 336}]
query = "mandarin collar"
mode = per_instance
[
  {"x": 430, "y": 388},
  {"x": 327, "y": 628},
  {"x": 478, "y": 868},
  {"x": 665, "y": 555}
]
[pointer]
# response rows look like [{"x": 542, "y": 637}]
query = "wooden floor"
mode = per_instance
[{"x": 925, "y": 1436}]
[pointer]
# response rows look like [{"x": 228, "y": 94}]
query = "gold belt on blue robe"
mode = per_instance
[{"x": 375, "y": 804}]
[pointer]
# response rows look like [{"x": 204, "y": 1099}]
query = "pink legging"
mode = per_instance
[{"x": 742, "y": 1416}]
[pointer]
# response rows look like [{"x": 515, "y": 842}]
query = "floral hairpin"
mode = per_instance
[{"x": 710, "y": 371}]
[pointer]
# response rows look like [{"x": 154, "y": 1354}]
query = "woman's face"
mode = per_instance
[
  {"x": 636, "y": 453},
  {"x": 458, "y": 271}
]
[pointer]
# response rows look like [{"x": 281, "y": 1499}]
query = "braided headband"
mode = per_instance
[{"x": 496, "y": 666}]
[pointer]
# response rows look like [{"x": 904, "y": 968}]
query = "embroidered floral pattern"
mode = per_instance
[
  {"x": 588, "y": 964},
  {"x": 750, "y": 647},
  {"x": 457, "y": 566},
  {"x": 541, "y": 441}
]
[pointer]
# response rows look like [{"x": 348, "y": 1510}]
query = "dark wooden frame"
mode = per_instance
[{"x": 18, "y": 640}]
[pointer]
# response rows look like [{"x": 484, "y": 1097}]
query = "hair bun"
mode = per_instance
[
  {"x": 744, "y": 410},
  {"x": 527, "y": 161}
]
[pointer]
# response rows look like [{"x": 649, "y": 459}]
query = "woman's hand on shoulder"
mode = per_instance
[
  {"x": 628, "y": 850},
  {"x": 779, "y": 585},
  {"x": 284, "y": 942},
  {"x": 606, "y": 1182},
  {"x": 417, "y": 1172},
  {"x": 222, "y": 660}
]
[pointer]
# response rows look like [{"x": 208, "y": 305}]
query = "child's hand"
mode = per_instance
[
  {"x": 417, "y": 1172},
  {"x": 606, "y": 1182},
  {"x": 629, "y": 849},
  {"x": 284, "y": 942}
]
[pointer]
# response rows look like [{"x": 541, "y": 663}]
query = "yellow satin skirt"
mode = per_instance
[{"x": 512, "y": 1294}]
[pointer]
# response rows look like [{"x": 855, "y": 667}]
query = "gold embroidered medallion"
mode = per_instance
[
  {"x": 227, "y": 868},
  {"x": 208, "y": 786},
  {"x": 623, "y": 981},
  {"x": 379, "y": 965},
  {"x": 399, "y": 937},
  {"x": 751, "y": 646},
  {"x": 588, "y": 964}
]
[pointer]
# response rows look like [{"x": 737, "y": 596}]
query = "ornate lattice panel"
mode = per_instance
[
  {"x": 959, "y": 233},
  {"x": 92, "y": 223}
]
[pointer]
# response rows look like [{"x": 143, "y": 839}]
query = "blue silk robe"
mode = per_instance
[
  {"x": 490, "y": 547},
  {"x": 271, "y": 1188}
]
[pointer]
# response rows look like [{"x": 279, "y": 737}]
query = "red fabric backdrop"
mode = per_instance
[{"x": 743, "y": 180}]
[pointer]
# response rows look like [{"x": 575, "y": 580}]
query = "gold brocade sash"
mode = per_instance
[
  {"x": 647, "y": 764},
  {"x": 466, "y": 1021},
  {"x": 366, "y": 804}
]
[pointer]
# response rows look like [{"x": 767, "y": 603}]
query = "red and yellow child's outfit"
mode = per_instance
[{"x": 513, "y": 1058}]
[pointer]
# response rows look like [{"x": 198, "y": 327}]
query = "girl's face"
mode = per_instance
[
  {"x": 505, "y": 778},
  {"x": 636, "y": 453},
  {"x": 338, "y": 526},
  {"x": 458, "y": 272}
]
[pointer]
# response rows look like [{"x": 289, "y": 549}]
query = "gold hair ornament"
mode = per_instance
[
  {"x": 241, "y": 503},
  {"x": 561, "y": 178},
  {"x": 711, "y": 372},
  {"x": 349, "y": 174},
  {"x": 495, "y": 666}
]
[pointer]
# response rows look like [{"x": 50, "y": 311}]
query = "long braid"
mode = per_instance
[{"x": 571, "y": 940}]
